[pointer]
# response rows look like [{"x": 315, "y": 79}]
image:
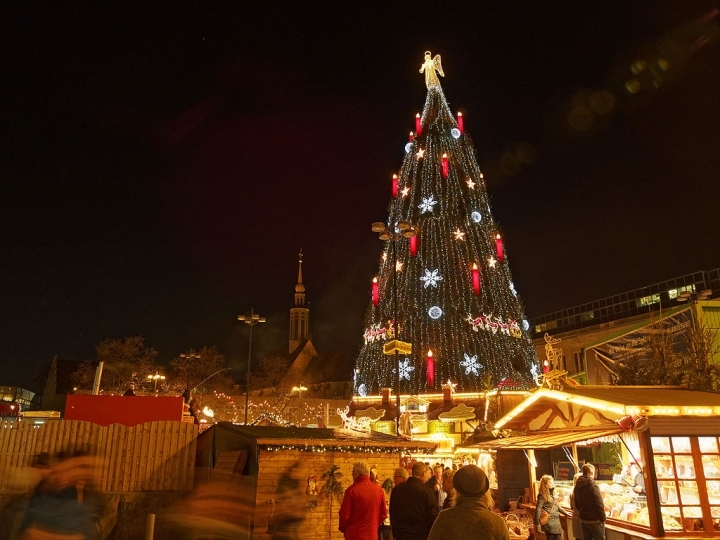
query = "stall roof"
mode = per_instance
[
  {"x": 615, "y": 402},
  {"x": 550, "y": 438}
]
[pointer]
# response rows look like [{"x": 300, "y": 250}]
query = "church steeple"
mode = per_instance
[
  {"x": 300, "y": 288},
  {"x": 299, "y": 315}
]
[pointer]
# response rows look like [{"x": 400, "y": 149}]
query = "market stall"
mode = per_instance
[{"x": 656, "y": 449}]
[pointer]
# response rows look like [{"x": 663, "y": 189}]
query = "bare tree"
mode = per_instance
[
  {"x": 701, "y": 372},
  {"x": 126, "y": 361},
  {"x": 662, "y": 362},
  {"x": 205, "y": 369}
]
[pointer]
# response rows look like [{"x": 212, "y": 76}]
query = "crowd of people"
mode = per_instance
[
  {"x": 429, "y": 503},
  {"x": 423, "y": 503}
]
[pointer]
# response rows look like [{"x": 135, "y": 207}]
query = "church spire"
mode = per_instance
[
  {"x": 299, "y": 314},
  {"x": 300, "y": 288}
]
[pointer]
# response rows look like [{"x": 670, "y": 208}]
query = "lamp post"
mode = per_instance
[
  {"x": 155, "y": 378},
  {"x": 251, "y": 320},
  {"x": 687, "y": 296},
  {"x": 694, "y": 297},
  {"x": 402, "y": 229},
  {"x": 188, "y": 359},
  {"x": 299, "y": 389}
]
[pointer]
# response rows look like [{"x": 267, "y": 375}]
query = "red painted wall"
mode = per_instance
[{"x": 126, "y": 410}]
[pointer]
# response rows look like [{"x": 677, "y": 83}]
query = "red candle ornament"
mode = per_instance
[
  {"x": 414, "y": 245},
  {"x": 444, "y": 165},
  {"x": 461, "y": 123},
  {"x": 476, "y": 279},
  {"x": 499, "y": 248},
  {"x": 395, "y": 186},
  {"x": 418, "y": 125},
  {"x": 375, "y": 292},
  {"x": 411, "y": 136},
  {"x": 430, "y": 368}
]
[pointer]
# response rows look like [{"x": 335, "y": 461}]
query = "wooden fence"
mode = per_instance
[{"x": 147, "y": 457}]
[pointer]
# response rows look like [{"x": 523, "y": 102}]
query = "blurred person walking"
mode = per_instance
[
  {"x": 413, "y": 506},
  {"x": 471, "y": 517},
  {"x": 63, "y": 506},
  {"x": 363, "y": 507}
]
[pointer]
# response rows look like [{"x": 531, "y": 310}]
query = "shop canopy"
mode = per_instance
[{"x": 551, "y": 438}]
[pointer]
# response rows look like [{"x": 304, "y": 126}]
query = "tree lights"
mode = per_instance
[{"x": 454, "y": 293}]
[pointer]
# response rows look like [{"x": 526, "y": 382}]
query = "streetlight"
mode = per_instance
[
  {"x": 155, "y": 378},
  {"x": 299, "y": 389},
  {"x": 188, "y": 358},
  {"x": 402, "y": 229},
  {"x": 687, "y": 296},
  {"x": 251, "y": 320}
]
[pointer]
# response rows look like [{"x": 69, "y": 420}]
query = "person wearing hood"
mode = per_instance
[
  {"x": 590, "y": 505},
  {"x": 546, "y": 501},
  {"x": 471, "y": 517}
]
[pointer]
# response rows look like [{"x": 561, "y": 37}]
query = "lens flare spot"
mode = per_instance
[
  {"x": 580, "y": 118},
  {"x": 632, "y": 86},
  {"x": 602, "y": 102},
  {"x": 638, "y": 67}
]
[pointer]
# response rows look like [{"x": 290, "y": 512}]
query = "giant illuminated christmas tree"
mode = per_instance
[{"x": 449, "y": 286}]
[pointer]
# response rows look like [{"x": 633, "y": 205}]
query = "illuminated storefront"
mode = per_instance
[{"x": 670, "y": 435}]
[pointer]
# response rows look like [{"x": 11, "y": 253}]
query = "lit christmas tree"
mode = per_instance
[{"x": 450, "y": 285}]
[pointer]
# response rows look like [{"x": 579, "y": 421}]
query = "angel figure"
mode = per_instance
[{"x": 432, "y": 67}]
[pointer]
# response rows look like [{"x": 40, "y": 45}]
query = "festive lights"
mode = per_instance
[
  {"x": 418, "y": 125},
  {"x": 375, "y": 292},
  {"x": 454, "y": 214},
  {"x": 394, "y": 186},
  {"x": 445, "y": 166},
  {"x": 461, "y": 122}
]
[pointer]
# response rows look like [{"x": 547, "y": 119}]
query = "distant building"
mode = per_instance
[
  {"x": 326, "y": 376},
  {"x": 59, "y": 384},
  {"x": 593, "y": 334}
]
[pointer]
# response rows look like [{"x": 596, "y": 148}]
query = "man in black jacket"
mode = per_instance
[
  {"x": 589, "y": 503},
  {"x": 413, "y": 506}
]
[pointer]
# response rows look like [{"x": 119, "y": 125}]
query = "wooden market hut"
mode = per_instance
[
  {"x": 260, "y": 460},
  {"x": 671, "y": 432}
]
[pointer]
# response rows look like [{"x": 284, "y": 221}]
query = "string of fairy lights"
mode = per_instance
[
  {"x": 353, "y": 449},
  {"x": 456, "y": 302}
]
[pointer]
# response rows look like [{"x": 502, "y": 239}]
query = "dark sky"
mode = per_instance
[{"x": 163, "y": 166}]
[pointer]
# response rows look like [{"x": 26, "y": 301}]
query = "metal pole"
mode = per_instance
[
  {"x": 247, "y": 377},
  {"x": 397, "y": 337}
]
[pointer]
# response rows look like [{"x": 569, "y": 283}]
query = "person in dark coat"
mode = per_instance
[
  {"x": 576, "y": 523},
  {"x": 589, "y": 502},
  {"x": 471, "y": 517},
  {"x": 546, "y": 501},
  {"x": 413, "y": 506}
]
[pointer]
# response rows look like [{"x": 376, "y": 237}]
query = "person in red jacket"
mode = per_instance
[{"x": 363, "y": 507}]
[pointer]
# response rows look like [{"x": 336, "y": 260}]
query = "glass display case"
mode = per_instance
[{"x": 688, "y": 478}]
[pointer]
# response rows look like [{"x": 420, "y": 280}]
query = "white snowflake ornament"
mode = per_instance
[
  {"x": 431, "y": 278},
  {"x": 427, "y": 204},
  {"x": 405, "y": 369},
  {"x": 471, "y": 364}
]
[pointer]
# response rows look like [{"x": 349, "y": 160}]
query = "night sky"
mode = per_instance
[{"x": 163, "y": 166}]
